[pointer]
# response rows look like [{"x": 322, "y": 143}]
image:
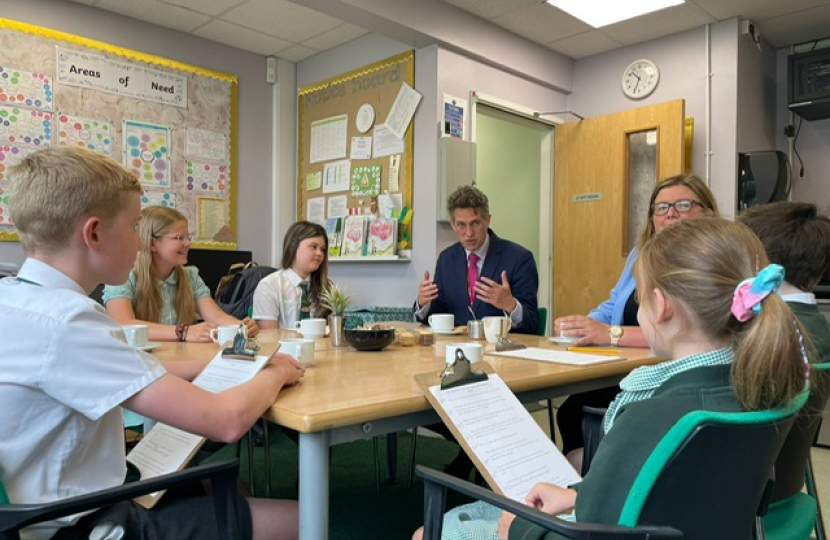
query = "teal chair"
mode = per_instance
[
  {"x": 671, "y": 497},
  {"x": 222, "y": 476},
  {"x": 793, "y": 514},
  {"x": 543, "y": 322}
]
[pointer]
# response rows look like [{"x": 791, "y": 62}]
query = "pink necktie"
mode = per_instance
[{"x": 472, "y": 276}]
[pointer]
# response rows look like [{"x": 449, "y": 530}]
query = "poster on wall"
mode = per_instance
[
  {"x": 91, "y": 133},
  {"x": 455, "y": 110},
  {"x": 147, "y": 152}
]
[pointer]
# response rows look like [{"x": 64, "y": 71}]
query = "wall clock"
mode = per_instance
[{"x": 640, "y": 78}]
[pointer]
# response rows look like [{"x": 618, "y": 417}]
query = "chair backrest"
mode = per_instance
[
  {"x": 791, "y": 464},
  {"x": 543, "y": 322},
  {"x": 239, "y": 296},
  {"x": 706, "y": 477}
]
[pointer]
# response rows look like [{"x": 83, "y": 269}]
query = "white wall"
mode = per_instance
[
  {"x": 254, "y": 193},
  {"x": 682, "y": 59},
  {"x": 813, "y": 144}
]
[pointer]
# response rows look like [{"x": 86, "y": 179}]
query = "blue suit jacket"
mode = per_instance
[{"x": 451, "y": 278}]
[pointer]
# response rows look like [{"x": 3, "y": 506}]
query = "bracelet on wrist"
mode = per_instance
[{"x": 180, "y": 332}]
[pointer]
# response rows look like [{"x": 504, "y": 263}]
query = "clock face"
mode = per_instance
[{"x": 640, "y": 79}]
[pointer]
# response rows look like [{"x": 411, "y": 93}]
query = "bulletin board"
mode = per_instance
[
  {"x": 344, "y": 139},
  {"x": 172, "y": 124}
]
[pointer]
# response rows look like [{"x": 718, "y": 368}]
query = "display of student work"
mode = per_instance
[
  {"x": 355, "y": 159},
  {"x": 172, "y": 124}
]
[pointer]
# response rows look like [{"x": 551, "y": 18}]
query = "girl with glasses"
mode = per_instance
[{"x": 162, "y": 292}]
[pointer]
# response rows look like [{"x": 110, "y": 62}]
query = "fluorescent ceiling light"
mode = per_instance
[{"x": 599, "y": 13}]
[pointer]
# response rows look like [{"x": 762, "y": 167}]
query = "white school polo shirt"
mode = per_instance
[{"x": 64, "y": 371}]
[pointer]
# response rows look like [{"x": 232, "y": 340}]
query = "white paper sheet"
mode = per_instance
[
  {"x": 361, "y": 148},
  {"x": 559, "y": 357},
  {"x": 329, "y": 138},
  {"x": 337, "y": 206},
  {"x": 402, "y": 111},
  {"x": 385, "y": 142},
  {"x": 504, "y": 437},
  {"x": 336, "y": 176},
  {"x": 316, "y": 210},
  {"x": 166, "y": 449}
]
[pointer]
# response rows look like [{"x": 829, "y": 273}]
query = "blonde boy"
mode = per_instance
[{"x": 65, "y": 369}]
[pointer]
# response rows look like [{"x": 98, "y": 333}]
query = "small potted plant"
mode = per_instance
[{"x": 335, "y": 299}]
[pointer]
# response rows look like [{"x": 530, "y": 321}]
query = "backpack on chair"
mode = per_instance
[{"x": 235, "y": 292}]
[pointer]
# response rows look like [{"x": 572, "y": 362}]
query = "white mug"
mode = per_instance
[
  {"x": 311, "y": 328},
  {"x": 471, "y": 350},
  {"x": 496, "y": 327},
  {"x": 442, "y": 322},
  {"x": 226, "y": 333},
  {"x": 301, "y": 349},
  {"x": 136, "y": 334}
]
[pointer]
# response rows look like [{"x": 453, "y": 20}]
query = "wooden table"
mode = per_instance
[{"x": 348, "y": 395}]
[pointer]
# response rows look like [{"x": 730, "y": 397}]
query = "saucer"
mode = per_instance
[
  {"x": 450, "y": 331},
  {"x": 564, "y": 341},
  {"x": 151, "y": 345}
]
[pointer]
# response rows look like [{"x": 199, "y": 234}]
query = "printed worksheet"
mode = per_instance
[{"x": 504, "y": 437}]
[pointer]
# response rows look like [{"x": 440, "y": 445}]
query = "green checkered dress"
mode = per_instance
[{"x": 641, "y": 383}]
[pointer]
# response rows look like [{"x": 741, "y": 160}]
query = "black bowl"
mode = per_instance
[{"x": 370, "y": 340}]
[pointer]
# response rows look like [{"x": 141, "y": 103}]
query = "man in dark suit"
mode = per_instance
[{"x": 482, "y": 271}]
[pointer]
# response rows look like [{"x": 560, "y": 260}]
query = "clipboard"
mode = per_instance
[
  {"x": 504, "y": 442},
  {"x": 465, "y": 375}
]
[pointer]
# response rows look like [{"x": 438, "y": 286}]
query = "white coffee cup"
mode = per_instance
[
  {"x": 471, "y": 350},
  {"x": 223, "y": 334},
  {"x": 311, "y": 328},
  {"x": 496, "y": 327},
  {"x": 302, "y": 349},
  {"x": 136, "y": 334},
  {"x": 442, "y": 322}
]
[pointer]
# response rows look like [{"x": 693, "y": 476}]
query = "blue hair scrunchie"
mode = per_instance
[{"x": 746, "y": 302}]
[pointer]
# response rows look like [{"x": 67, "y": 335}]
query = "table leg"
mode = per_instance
[{"x": 314, "y": 485}]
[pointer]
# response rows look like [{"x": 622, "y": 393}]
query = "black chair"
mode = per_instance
[
  {"x": 671, "y": 497},
  {"x": 222, "y": 476}
]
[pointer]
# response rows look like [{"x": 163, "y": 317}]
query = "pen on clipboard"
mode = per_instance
[{"x": 595, "y": 350}]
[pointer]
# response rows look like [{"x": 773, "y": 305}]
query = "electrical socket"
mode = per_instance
[
  {"x": 271, "y": 70},
  {"x": 789, "y": 130}
]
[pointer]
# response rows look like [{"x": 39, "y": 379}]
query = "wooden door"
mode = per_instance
[{"x": 591, "y": 198}]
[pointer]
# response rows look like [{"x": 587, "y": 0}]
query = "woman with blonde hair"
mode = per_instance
[
  {"x": 162, "y": 292},
  {"x": 614, "y": 321}
]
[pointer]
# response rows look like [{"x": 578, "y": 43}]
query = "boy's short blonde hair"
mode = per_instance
[{"x": 53, "y": 188}]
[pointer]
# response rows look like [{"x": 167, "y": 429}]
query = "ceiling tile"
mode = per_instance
[
  {"x": 754, "y": 9},
  {"x": 337, "y": 36},
  {"x": 87, "y": 2},
  {"x": 796, "y": 28},
  {"x": 541, "y": 23},
  {"x": 241, "y": 38},
  {"x": 658, "y": 24},
  {"x": 487, "y": 9},
  {"x": 585, "y": 44},
  {"x": 209, "y": 7},
  {"x": 156, "y": 12},
  {"x": 295, "y": 53},
  {"x": 281, "y": 18}
]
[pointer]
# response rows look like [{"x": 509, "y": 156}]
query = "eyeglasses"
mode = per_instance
[
  {"x": 683, "y": 206},
  {"x": 178, "y": 237}
]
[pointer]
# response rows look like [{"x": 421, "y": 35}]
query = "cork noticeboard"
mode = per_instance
[
  {"x": 347, "y": 157},
  {"x": 172, "y": 124}
]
